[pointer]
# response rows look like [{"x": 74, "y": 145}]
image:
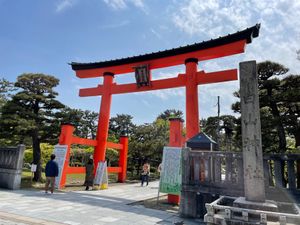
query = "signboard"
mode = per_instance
[
  {"x": 60, "y": 152},
  {"x": 101, "y": 177},
  {"x": 170, "y": 177},
  {"x": 142, "y": 75},
  {"x": 33, "y": 168}
]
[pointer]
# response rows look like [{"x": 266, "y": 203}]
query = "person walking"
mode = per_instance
[
  {"x": 89, "y": 174},
  {"x": 51, "y": 172},
  {"x": 145, "y": 174},
  {"x": 159, "y": 168}
]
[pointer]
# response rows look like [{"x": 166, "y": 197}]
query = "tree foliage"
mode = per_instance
[
  {"x": 147, "y": 142},
  {"x": 6, "y": 87},
  {"x": 279, "y": 106},
  {"x": 31, "y": 112},
  {"x": 223, "y": 130},
  {"x": 170, "y": 113},
  {"x": 121, "y": 125},
  {"x": 84, "y": 121}
]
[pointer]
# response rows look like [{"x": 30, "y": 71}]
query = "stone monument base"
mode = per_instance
[
  {"x": 11, "y": 164},
  {"x": 233, "y": 211},
  {"x": 10, "y": 179},
  {"x": 268, "y": 205}
]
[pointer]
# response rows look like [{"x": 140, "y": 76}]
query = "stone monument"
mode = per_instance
[{"x": 253, "y": 208}]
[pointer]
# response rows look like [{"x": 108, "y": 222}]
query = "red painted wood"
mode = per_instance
[
  {"x": 80, "y": 170},
  {"x": 191, "y": 96},
  {"x": 175, "y": 140},
  {"x": 216, "y": 77},
  {"x": 114, "y": 145},
  {"x": 206, "y": 54},
  {"x": 75, "y": 170},
  {"x": 114, "y": 169},
  {"x": 179, "y": 81},
  {"x": 123, "y": 159},
  {"x": 83, "y": 141},
  {"x": 103, "y": 121},
  {"x": 65, "y": 138}
]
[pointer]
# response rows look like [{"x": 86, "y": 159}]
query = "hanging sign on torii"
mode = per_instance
[{"x": 142, "y": 66}]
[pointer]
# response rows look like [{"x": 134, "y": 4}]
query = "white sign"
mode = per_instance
[
  {"x": 60, "y": 152},
  {"x": 170, "y": 177},
  {"x": 33, "y": 168},
  {"x": 100, "y": 176}
]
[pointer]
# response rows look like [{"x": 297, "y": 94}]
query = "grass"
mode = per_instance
[{"x": 26, "y": 180}]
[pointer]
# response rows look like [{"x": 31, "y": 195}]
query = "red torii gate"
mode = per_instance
[{"x": 189, "y": 55}]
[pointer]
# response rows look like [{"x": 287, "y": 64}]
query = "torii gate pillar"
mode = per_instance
[
  {"x": 192, "y": 108},
  {"x": 175, "y": 140},
  {"x": 104, "y": 115}
]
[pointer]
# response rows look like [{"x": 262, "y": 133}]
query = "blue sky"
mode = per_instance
[{"x": 44, "y": 36}]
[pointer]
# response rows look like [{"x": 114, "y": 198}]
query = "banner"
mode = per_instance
[
  {"x": 101, "y": 177},
  {"x": 170, "y": 177},
  {"x": 60, "y": 152}
]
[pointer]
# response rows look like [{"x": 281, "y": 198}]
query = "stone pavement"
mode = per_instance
[{"x": 109, "y": 206}]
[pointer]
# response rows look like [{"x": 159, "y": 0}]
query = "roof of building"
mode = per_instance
[
  {"x": 247, "y": 34},
  {"x": 201, "y": 138}
]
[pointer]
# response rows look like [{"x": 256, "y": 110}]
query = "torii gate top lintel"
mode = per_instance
[{"x": 223, "y": 46}]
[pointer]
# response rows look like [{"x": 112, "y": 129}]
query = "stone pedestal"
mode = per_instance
[
  {"x": 232, "y": 211},
  {"x": 11, "y": 163},
  {"x": 267, "y": 205}
]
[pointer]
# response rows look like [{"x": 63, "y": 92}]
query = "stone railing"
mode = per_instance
[
  {"x": 206, "y": 175},
  {"x": 11, "y": 163}
]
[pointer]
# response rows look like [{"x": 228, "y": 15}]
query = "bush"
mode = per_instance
[
  {"x": 46, "y": 151},
  {"x": 28, "y": 156},
  {"x": 112, "y": 156}
]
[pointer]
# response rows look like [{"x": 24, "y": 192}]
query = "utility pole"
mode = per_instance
[
  {"x": 218, "y": 127},
  {"x": 218, "y": 106}
]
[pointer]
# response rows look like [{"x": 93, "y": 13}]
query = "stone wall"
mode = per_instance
[{"x": 11, "y": 163}]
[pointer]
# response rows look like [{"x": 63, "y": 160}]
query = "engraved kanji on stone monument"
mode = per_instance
[{"x": 251, "y": 133}]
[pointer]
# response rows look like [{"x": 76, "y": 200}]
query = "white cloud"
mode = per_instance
[
  {"x": 116, "y": 4},
  {"x": 146, "y": 103},
  {"x": 138, "y": 3},
  {"x": 208, "y": 93},
  {"x": 280, "y": 25},
  {"x": 63, "y": 5},
  {"x": 123, "y": 4},
  {"x": 168, "y": 93},
  {"x": 155, "y": 33}
]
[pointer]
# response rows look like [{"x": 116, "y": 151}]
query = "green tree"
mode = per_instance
[
  {"x": 270, "y": 94},
  {"x": 31, "y": 111},
  {"x": 222, "y": 129},
  {"x": 146, "y": 143},
  {"x": 275, "y": 98},
  {"x": 6, "y": 87},
  {"x": 84, "y": 121},
  {"x": 121, "y": 125},
  {"x": 170, "y": 113},
  {"x": 290, "y": 105}
]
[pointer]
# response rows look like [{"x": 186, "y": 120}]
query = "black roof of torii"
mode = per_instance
[{"x": 247, "y": 34}]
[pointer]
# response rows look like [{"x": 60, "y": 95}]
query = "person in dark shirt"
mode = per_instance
[
  {"x": 89, "y": 174},
  {"x": 51, "y": 172}
]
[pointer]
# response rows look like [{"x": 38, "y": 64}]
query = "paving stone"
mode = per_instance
[{"x": 93, "y": 207}]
